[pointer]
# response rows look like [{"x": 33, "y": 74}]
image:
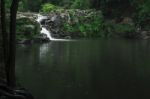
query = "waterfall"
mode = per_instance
[{"x": 44, "y": 30}]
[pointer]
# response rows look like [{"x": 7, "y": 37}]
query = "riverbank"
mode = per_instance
[
  {"x": 74, "y": 24},
  {"x": 29, "y": 29}
]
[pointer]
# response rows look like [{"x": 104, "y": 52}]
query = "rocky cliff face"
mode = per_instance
[
  {"x": 75, "y": 23},
  {"x": 68, "y": 23}
]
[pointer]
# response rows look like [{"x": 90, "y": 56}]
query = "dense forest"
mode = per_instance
[{"x": 87, "y": 18}]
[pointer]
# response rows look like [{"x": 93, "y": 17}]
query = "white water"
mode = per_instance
[{"x": 45, "y": 31}]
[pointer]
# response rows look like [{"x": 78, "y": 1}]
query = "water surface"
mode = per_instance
[{"x": 87, "y": 69}]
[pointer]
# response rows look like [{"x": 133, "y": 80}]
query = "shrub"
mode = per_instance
[
  {"x": 89, "y": 25},
  {"x": 144, "y": 15},
  {"x": 81, "y": 4},
  {"x": 26, "y": 29},
  {"x": 48, "y": 7},
  {"x": 125, "y": 30}
]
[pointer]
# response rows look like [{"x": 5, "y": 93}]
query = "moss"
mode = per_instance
[{"x": 26, "y": 29}]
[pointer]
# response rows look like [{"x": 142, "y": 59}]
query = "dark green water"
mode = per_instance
[{"x": 88, "y": 69}]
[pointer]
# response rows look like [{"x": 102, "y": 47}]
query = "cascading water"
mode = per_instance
[
  {"x": 40, "y": 18},
  {"x": 44, "y": 30}
]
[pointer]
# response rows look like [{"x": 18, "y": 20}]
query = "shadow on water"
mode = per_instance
[{"x": 87, "y": 69}]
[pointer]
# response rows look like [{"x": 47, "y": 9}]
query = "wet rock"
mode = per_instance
[
  {"x": 25, "y": 41},
  {"x": 26, "y": 29},
  {"x": 127, "y": 20},
  {"x": 57, "y": 19},
  {"x": 42, "y": 38},
  {"x": 67, "y": 37},
  {"x": 143, "y": 34}
]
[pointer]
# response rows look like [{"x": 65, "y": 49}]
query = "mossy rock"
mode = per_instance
[{"x": 27, "y": 28}]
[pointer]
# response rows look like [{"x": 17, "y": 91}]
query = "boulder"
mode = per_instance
[
  {"x": 127, "y": 20},
  {"x": 41, "y": 38},
  {"x": 25, "y": 41},
  {"x": 143, "y": 34}
]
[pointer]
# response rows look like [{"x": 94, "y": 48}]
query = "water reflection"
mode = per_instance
[
  {"x": 89, "y": 69},
  {"x": 44, "y": 50}
]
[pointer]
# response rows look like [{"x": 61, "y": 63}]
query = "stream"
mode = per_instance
[{"x": 85, "y": 69}]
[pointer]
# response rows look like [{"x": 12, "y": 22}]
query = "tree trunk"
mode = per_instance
[
  {"x": 12, "y": 45},
  {"x": 2, "y": 29},
  {"x": 4, "y": 35}
]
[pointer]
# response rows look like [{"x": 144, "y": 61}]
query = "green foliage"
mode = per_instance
[
  {"x": 23, "y": 6},
  {"x": 26, "y": 29},
  {"x": 81, "y": 4},
  {"x": 124, "y": 28},
  {"x": 34, "y": 5},
  {"x": 112, "y": 29},
  {"x": 26, "y": 5},
  {"x": 143, "y": 14},
  {"x": 7, "y": 5},
  {"x": 68, "y": 28},
  {"x": 87, "y": 26},
  {"x": 47, "y": 7},
  {"x": 107, "y": 28},
  {"x": 65, "y": 3},
  {"x": 93, "y": 26}
]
